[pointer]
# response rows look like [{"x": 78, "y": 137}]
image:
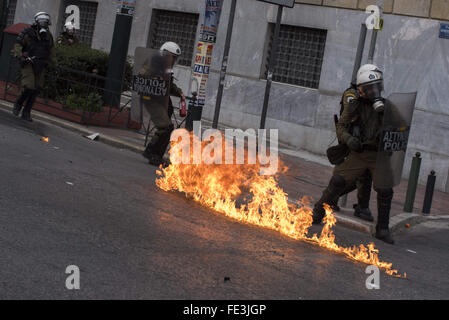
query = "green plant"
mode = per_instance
[
  {"x": 86, "y": 81},
  {"x": 91, "y": 102}
]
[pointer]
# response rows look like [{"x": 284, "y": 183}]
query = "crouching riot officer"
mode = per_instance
[
  {"x": 159, "y": 111},
  {"x": 364, "y": 183},
  {"x": 33, "y": 48},
  {"x": 363, "y": 107},
  {"x": 68, "y": 37}
]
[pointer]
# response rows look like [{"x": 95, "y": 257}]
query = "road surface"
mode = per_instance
[{"x": 73, "y": 201}]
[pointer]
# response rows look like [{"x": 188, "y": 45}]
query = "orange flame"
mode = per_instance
[{"x": 239, "y": 192}]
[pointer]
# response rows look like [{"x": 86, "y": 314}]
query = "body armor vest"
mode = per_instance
[{"x": 38, "y": 47}]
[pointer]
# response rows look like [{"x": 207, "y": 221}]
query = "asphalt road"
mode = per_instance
[{"x": 76, "y": 202}]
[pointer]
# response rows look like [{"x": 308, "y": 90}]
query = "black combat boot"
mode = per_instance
[
  {"x": 155, "y": 150},
  {"x": 384, "y": 198},
  {"x": 384, "y": 235},
  {"x": 363, "y": 213},
  {"x": 147, "y": 153},
  {"x": 155, "y": 160},
  {"x": 17, "y": 109},
  {"x": 162, "y": 140},
  {"x": 20, "y": 101},
  {"x": 361, "y": 209},
  {"x": 330, "y": 194},
  {"x": 26, "y": 113}
]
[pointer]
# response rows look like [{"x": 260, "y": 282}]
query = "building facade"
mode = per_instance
[{"x": 317, "y": 50}]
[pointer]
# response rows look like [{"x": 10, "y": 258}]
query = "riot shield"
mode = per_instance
[
  {"x": 151, "y": 83},
  {"x": 398, "y": 114}
]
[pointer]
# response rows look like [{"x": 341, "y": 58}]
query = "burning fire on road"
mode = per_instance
[{"x": 238, "y": 191}]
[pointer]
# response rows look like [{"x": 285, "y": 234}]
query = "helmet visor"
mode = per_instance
[
  {"x": 372, "y": 90},
  {"x": 171, "y": 58},
  {"x": 43, "y": 22}
]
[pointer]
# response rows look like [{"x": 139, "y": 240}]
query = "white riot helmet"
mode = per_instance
[
  {"x": 43, "y": 21},
  {"x": 368, "y": 67},
  {"x": 173, "y": 50},
  {"x": 69, "y": 27},
  {"x": 370, "y": 84}
]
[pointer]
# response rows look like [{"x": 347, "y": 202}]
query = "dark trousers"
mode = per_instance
[{"x": 26, "y": 100}]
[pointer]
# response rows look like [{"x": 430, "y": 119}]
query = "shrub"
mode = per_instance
[
  {"x": 69, "y": 88},
  {"x": 92, "y": 102}
]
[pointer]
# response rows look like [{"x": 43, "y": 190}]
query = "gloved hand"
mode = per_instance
[
  {"x": 354, "y": 144},
  {"x": 24, "y": 60}
]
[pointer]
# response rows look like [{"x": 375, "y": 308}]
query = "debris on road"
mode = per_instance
[
  {"x": 45, "y": 139},
  {"x": 93, "y": 137},
  {"x": 70, "y": 183},
  {"x": 408, "y": 250}
]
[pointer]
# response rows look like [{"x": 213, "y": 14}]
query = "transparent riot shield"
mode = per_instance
[
  {"x": 151, "y": 83},
  {"x": 398, "y": 114}
]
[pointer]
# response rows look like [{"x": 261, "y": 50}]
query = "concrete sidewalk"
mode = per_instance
[{"x": 308, "y": 175}]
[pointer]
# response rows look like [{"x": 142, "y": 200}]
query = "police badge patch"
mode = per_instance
[{"x": 350, "y": 98}]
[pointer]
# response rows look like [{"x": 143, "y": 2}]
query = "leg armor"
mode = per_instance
[
  {"x": 332, "y": 192},
  {"x": 384, "y": 198}
]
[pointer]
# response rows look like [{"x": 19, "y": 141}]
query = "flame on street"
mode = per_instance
[{"x": 241, "y": 193}]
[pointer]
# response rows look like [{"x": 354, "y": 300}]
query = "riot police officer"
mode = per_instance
[
  {"x": 363, "y": 184},
  {"x": 364, "y": 107},
  {"x": 160, "y": 113},
  {"x": 33, "y": 48},
  {"x": 68, "y": 37}
]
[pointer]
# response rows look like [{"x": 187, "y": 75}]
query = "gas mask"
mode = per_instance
[
  {"x": 42, "y": 21},
  {"x": 373, "y": 92},
  {"x": 42, "y": 27}
]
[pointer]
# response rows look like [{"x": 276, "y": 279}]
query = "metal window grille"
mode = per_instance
[
  {"x": 88, "y": 15},
  {"x": 299, "y": 57},
  {"x": 11, "y": 12},
  {"x": 179, "y": 27}
]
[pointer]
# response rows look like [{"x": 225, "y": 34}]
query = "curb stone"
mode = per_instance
[
  {"x": 397, "y": 222},
  {"x": 42, "y": 117}
]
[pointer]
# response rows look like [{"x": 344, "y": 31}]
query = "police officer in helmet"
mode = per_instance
[
  {"x": 363, "y": 184},
  {"x": 68, "y": 37},
  {"x": 161, "y": 114},
  {"x": 33, "y": 48},
  {"x": 364, "y": 106}
]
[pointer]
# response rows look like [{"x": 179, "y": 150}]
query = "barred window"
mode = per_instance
[
  {"x": 299, "y": 57},
  {"x": 179, "y": 27},
  {"x": 88, "y": 15},
  {"x": 11, "y": 12}
]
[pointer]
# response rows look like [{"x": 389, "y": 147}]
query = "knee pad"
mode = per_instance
[{"x": 385, "y": 193}]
